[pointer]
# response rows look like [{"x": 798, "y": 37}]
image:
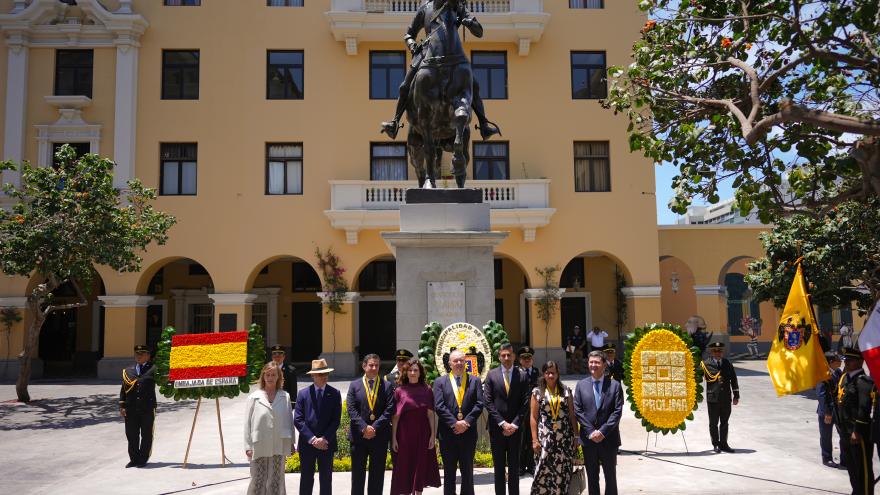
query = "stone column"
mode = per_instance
[
  {"x": 125, "y": 325},
  {"x": 11, "y": 344},
  {"x": 15, "y": 128},
  {"x": 643, "y": 305},
  {"x": 712, "y": 306},
  {"x": 338, "y": 335},
  {"x": 240, "y": 305},
  {"x": 125, "y": 119},
  {"x": 546, "y": 338}
]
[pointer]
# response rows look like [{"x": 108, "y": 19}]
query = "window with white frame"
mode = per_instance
[
  {"x": 284, "y": 168},
  {"x": 201, "y": 318},
  {"x": 388, "y": 161},
  {"x": 260, "y": 315}
]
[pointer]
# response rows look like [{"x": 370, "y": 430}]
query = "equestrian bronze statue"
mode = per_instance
[{"x": 439, "y": 92}]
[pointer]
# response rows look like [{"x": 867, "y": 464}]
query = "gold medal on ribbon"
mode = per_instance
[
  {"x": 555, "y": 401},
  {"x": 372, "y": 393},
  {"x": 459, "y": 395}
]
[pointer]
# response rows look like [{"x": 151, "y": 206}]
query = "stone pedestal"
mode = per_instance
[{"x": 446, "y": 243}]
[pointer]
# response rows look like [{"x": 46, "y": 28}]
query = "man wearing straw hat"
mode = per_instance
[{"x": 317, "y": 415}]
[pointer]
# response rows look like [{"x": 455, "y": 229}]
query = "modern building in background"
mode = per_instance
[
  {"x": 257, "y": 122},
  {"x": 724, "y": 212}
]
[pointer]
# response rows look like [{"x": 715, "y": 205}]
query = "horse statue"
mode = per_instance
[{"x": 439, "y": 91}]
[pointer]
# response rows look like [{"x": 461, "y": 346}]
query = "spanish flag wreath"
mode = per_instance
[
  {"x": 227, "y": 363},
  {"x": 663, "y": 379}
]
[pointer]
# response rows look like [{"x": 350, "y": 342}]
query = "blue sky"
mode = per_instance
[{"x": 663, "y": 186}]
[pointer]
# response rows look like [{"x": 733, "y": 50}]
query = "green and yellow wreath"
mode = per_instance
[
  {"x": 493, "y": 331},
  {"x": 663, "y": 377}
]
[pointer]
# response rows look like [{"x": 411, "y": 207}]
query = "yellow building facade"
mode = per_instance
[{"x": 258, "y": 122}]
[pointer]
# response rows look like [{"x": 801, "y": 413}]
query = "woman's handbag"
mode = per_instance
[{"x": 578, "y": 481}]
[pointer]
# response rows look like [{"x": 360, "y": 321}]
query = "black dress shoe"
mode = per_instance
[
  {"x": 717, "y": 449},
  {"x": 131, "y": 464},
  {"x": 831, "y": 464},
  {"x": 140, "y": 464},
  {"x": 726, "y": 448}
]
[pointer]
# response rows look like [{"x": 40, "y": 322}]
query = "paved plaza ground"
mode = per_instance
[{"x": 71, "y": 440}]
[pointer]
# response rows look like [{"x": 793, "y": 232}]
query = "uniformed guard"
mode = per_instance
[
  {"x": 615, "y": 366},
  {"x": 720, "y": 385},
  {"x": 137, "y": 404},
  {"x": 856, "y": 394},
  {"x": 287, "y": 369},
  {"x": 527, "y": 456},
  {"x": 400, "y": 357}
]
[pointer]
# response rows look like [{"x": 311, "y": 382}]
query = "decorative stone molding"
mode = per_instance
[
  {"x": 535, "y": 294},
  {"x": 13, "y": 302},
  {"x": 641, "y": 291},
  {"x": 710, "y": 290},
  {"x": 128, "y": 301},
  {"x": 227, "y": 299},
  {"x": 53, "y": 24},
  {"x": 348, "y": 298}
]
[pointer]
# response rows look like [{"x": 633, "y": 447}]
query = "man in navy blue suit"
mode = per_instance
[
  {"x": 598, "y": 403},
  {"x": 316, "y": 416},
  {"x": 826, "y": 393},
  {"x": 458, "y": 401},
  {"x": 370, "y": 404},
  {"x": 506, "y": 394}
]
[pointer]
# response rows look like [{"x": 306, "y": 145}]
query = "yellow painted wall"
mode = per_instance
[{"x": 677, "y": 307}]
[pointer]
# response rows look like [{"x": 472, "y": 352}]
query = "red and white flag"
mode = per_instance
[{"x": 869, "y": 342}]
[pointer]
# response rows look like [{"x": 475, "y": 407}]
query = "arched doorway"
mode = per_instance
[
  {"x": 72, "y": 340},
  {"x": 181, "y": 289},
  {"x": 288, "y": 307},
  {"x": 510, "y": 308},
  {"x": 377, "y": 308},
  {"x": 592, "y": 297}
]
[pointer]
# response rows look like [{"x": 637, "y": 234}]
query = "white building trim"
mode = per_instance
[
  {"x": 129, "y": 301},
  {"x": 269, "y": 297},
  {"x": 641, "y": 291}
]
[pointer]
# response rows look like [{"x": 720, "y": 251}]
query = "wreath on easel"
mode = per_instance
[
  {"x": 492, "y": 330},
  {"x": 662, "y": 376}
]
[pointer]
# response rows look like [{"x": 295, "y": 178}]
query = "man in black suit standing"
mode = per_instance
[
  {"x": 137, "y": 404},
  {"x": 598, "y": 403},
  {"x": 370, "y": 404},
  {"x": 458, "y": 401},
  {"x": 288, "y": 370},
  {"x": 317, "y": 416},
  {"x": 506, "y": 395},
  {"x": 615, "y": 366},
  {"x": 720, "y": 385},
  {"x": 527, "y": 455},
  {"x": 400, "y": 358}
]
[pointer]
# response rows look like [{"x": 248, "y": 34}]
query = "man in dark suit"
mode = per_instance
[
  {"x": 458, "y": 401},
  {"x": 370, "y": 404},
  {"x": 721, "y": 384},
  {"x": 506, "y": 396},
  {"x": 288, "y": 370},
  {"x": 855, "y": 398},
  {"x": 527, "y": 455},
  {"x": 826, "y": 394},
  {"x": 400, "y": 358},
  {"x": 317, "y": 415},
  {"x": 137, "y": 404},
  {"x": 598, "y": 404},
  {"x": 615, "y": 366}
]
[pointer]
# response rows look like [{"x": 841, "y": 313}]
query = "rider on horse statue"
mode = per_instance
[{"x": 425, "y": 19}]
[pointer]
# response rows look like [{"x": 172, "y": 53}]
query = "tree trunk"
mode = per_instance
[{"x": 32, "y": 339}]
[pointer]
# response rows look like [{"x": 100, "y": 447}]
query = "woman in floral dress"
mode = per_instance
[{"x": 554, "y": 433}]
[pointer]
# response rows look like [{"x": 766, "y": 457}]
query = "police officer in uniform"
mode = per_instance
[
  {"x": 288, "y": 370},
  {"x": 855, "y": 396},
  {"x": 527, "y": 455},
  {"x": 401, "y": 357},
  {"x": 615, "y": 366},
  {"x": 720, "y": 385},
  {"x": 137, "y": 404}
]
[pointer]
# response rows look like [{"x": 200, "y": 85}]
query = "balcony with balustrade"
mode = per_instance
[
  {"x": 357, "y": 205},
  {"x": 521, "y": 22}
]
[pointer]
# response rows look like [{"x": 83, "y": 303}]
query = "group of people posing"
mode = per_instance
[{"x": 535, "y": 423}]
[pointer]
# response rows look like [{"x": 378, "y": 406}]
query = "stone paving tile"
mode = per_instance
[{"x": 71, "y": 440}]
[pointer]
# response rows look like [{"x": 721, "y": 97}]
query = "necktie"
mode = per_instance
[
  {"x": 458, "y": 381},
  {"x": 506, "y": 380},
  {"x": 320, "y": 396},
  {"x": 597, "y": 393},
  {"x": 371, "y": 384},
  {"x": 138, "y": 370}
]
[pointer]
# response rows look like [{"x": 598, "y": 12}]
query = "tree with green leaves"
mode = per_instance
[
  {"x": 65, "y": 221},
  {"x": 727, "y": 89},
  {"x": 781, "y": 98}
]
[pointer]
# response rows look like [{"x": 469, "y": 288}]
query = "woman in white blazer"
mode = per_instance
[{"x": 268, "y": 433}]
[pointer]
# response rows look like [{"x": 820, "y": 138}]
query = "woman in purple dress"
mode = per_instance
[{"x": 415, "y": 466}]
